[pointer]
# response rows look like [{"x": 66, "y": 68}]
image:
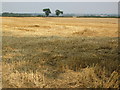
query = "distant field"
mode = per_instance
[
  {"x": 38, "y": 26},
  {"x": 49, "y": 52}
]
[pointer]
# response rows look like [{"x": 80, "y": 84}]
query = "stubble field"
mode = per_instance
[{"x": 56, "y": 52}]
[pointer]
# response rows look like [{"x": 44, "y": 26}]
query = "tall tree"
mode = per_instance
[
  {"x": 58, "y": 12},
  {"x": 47, "y": 11}
]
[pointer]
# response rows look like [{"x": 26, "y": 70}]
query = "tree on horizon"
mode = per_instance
[
  {"x": 47, "y": 11},
  {"x": 58, "y": 12}
]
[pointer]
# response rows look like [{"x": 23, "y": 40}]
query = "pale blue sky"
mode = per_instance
[
  {"x": 67, "y": 7},
  {"x": 60, "y": 0}
]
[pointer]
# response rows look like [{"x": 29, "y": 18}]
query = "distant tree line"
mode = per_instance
[
  {"x": 92, "y": 16},
  {"x": 7, "y": 14},
  {"x": 47, "y": 12}
]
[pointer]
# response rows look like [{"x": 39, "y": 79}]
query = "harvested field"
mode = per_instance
[{"x": 57, "y": 52}]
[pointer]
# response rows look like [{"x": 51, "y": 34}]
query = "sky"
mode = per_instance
[
  {"x": 60, "y": 0},
  {"x": 66, "y": 7}
]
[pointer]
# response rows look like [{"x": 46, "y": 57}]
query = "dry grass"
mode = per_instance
[
  {"x": 60, "y": 53},
  {"x": 37, "y": 26}
]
